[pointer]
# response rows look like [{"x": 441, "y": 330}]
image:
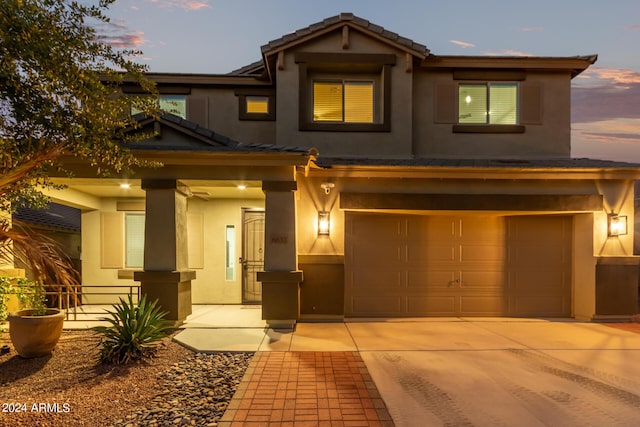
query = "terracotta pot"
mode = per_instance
[{"x": 35, "y": 336}]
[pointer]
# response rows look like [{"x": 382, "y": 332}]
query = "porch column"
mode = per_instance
[
  {"x": 281, "y": 278},
  {"x": 166, "y": 276}
]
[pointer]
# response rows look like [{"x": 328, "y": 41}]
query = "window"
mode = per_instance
[
  {"x": 488, "y": 103},
  {"x": 230, "y": 261},
  {"x": 174, "y": 104},
  {"x": 134, "y": 240},
  {"x": 257, "y": 105},
  {"x": 344, "y": 92},
  {"x": 343, "y": 101}
]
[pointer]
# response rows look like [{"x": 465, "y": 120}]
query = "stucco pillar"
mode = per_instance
[
  {"x": 166, "y": 276},
  {"x": 281, "y": 278}
]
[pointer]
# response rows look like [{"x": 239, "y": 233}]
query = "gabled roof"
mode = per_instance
[
  {"x": 304, "y": 34},
  {"x": 201, "y": 139}
]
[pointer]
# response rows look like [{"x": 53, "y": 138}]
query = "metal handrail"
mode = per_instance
[{"x": 72, "y": 300}]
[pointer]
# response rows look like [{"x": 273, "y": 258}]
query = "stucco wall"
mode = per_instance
[
  {"x": 550, "y": 138},
  {"x": 210, "y": 285},
  {"x": 363, "y": 144}
]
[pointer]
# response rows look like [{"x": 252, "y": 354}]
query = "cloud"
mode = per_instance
[
  {"x": 187, "y": 5},
  {"x": 529, "y": 29},
  {"x": 616, "y": 139},
  {"x": 462, "y": 44},
  {"x": 596, "y": 76},
  {"x": 606, "y": 94},
  {"x": 632, "y": 27},
  {"x": 118, "y": 35}
]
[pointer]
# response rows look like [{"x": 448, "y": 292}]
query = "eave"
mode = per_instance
[
  {"x": 477, "y": 173},
  {"x": 574, "y": 64}
]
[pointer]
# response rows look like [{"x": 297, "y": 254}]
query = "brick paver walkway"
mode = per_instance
[{"x": 331, "y": 389}]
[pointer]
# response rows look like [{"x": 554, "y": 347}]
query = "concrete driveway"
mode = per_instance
[
  {"x": 503, "y": 372},
  {"x": 461, "y": 372}
]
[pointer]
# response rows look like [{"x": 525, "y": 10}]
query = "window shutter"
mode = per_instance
[
  {"x": 530, "y": 104},
  {"x": 445, "y": 99},
  {"x": 198, "y": 110},
  {"x": 195, "y": 239},
  {"x": 112, "y": 240}
]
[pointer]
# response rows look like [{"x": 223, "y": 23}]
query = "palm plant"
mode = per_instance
[
  {"x": 134, "y": 332},
  {"x": 51, "y": 270}
]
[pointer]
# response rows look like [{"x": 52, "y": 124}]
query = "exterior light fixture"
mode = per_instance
[
  {"x": 125, "y": 186},
  {"x": 324, "y": 223},
  {"x": 242, "y": 187},
  {"x": 617, "y": 225}
]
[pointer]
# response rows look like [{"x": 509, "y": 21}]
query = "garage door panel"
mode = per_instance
[
  {"x": 435, "y": 253},
  {"x": 378, "y": 279},
  {"x": 388, "y": 252},
  {"x": 533, "y": 228},
  {"x": 382, "y": 226},
  {"x": 541, "y": 255},
  {"x": 536, "y": 282},
  {"x": 482, "y": 253},
  {"x": 482, "y": 280},
  {"x": 433, "y": 279},
  {"x": 491, "y": 305},
  {"x": 434, "y": 305},
  {"x": 483, "y": 229},
  {"x": 377, "y": 306},
  {"x": 538, "y": 306}
]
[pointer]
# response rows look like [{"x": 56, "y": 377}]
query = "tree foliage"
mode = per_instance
[{"x": 59, "y": 95}]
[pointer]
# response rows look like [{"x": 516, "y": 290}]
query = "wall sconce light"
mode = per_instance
[
  {"x": 324, "y": 223},
  {"x": 617, "y": 225}
]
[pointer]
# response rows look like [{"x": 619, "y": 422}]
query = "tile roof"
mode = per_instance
[
  {"x": 551, "y": 163},
  {"x": 253, "y": 69},
  {"x": 355, "y": 21},
  {"x": 207, "y": 140},
  {"x": 55, "y": 216}
]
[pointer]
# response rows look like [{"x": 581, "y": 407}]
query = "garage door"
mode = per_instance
[{"x": 476, "y": 265}]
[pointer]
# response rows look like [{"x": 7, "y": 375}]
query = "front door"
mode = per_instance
[{"x": 252, "y": 259}]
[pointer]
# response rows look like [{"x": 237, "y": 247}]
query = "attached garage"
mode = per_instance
[{"x": 457, "y": 265}]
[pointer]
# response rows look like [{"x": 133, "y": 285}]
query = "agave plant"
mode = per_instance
[{"x": 134, "y": 332}]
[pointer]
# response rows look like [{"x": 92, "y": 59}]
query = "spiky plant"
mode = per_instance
[
  {"x": 52, "y": 271},
  {"x": 134, "y": 332}
]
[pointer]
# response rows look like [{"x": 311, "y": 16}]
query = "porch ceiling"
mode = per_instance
[{"x": 202, "y": 189}]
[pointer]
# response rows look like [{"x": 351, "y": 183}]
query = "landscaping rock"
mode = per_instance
[{"x": 196, "y": 391}]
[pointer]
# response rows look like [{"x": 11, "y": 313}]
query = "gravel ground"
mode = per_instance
[{"x": 69, "y": 388}]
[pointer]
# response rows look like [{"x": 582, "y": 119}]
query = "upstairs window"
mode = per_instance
[
  {"x": 344, "y": 92},
  {"x": 343, "y": 101},
  {"x": 488, "y": 103},
  {"x": 174, "y": 104},
  {"x": 257, "y": 105}
]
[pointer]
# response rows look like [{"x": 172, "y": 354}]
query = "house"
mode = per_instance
[{"x": 353, "y": 173}]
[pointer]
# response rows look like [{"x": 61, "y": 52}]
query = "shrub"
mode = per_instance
[{"x": 134, "y": 331}]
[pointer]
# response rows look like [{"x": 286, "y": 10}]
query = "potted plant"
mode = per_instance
[{"x": 34, "y": 329}]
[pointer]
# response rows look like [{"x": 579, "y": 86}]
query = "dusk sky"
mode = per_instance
[{"x": 216, "y": 37}]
